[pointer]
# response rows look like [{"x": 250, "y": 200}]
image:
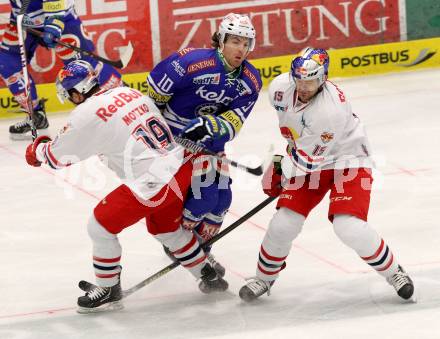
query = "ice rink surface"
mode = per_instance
[{"x": 326, "y": 291}]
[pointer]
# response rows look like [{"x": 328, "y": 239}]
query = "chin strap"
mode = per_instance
[
  {"x": 228, "y": 67},
  {"x": 232, "y": 72}
]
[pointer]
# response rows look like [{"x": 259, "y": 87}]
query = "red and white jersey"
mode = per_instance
[
  {"x": 322, "y": 134},
  {"x": 126, "y": 129}
]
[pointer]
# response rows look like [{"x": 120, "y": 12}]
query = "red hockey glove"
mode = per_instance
[
  {"x": 272, "y": 177},
  {"x": 31, "y": 156}
]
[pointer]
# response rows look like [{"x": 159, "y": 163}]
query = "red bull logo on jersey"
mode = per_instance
[
  {"x": 326, "y": 137},
  {"x": 120, "y": 100},
  {"x": 289, "y": 133}
]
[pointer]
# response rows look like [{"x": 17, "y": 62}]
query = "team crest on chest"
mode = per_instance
[
  {"x": 326, "y": 137},
  {"x": 205, "y": 109}
]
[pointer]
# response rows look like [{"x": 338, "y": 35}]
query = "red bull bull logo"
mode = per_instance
[
  {"x": 319, "y": 58},
  {"x": 63, "y": 74},
  {"x": 289, "y": 133}
]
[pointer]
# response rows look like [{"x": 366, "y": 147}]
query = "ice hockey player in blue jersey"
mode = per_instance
[
  {"x": 205, "y": 95},
  {"x": 57, "y": 20}
]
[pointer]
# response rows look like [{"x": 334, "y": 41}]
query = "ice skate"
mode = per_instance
[
  {"x": 219, "y": 269},
  {"x": 22, "y": 130},
  {"x": 211, "y": 281},
  {"x": 99, "y": 299},
  {"x": 254, "y": 289},
  {"x": 403, "y": 284}
]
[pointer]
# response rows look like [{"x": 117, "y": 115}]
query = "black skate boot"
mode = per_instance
[
  {"x": 402, "y": 283},
  {"x": 21, "y": 130},
  {"x": 254, "y": 289},
  {"x": 98, "y": 299},
  {"x": 219, "y": 269},
  {"x": 211, "y": 282}
]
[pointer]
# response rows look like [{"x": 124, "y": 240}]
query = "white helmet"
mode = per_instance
[{"x": 239, "y": 25}]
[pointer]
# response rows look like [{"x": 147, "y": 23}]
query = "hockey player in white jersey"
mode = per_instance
[
  {"x": 327, "y": 150},
  {"x": 127, "y": 129}
]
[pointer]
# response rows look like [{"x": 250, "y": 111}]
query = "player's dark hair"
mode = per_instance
[
  {"x": 87, "y": 95},
  {"x": 215, "y": 40}
]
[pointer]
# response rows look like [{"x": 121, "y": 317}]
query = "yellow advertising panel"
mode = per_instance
[
  {"x": 366, "y": 60},
  {"x": 347, "y": 62},
  {"x": 384, "y": 58}
]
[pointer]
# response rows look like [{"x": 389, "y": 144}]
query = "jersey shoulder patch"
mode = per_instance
[{"x": 251, "y": 73}]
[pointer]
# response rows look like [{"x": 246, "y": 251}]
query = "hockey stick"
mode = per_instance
[
  {"x": 26, "y": 80},
  {"x": 206, "y": 244},
  {"x": 196, "y": 148},
  {"x": 121, "y": 63}
]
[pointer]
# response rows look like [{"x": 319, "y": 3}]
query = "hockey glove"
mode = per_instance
[
  {"x": 204, "y": 129},
  {"x": 206, "y": 230},
  {"x": 31, "y": 150},
  {"x": 272, "y": 177},
  {"x": 53, "y": 28}
]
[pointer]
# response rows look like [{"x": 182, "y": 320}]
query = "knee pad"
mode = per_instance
[
  {"x": 285, "y": 226},
  {"x": 356, "y": 233}
]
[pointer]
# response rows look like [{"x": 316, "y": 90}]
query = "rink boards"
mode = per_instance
[{"x": 346, "y": 62}]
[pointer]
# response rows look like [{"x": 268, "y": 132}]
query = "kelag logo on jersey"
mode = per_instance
[
  {"x": 218, "y": 97},
  {"x": 207, "y": 79}
]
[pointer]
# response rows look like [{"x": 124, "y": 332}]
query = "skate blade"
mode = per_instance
[
  {"x": 27, "y": 135},
  {"x": 109, "y": 307}
]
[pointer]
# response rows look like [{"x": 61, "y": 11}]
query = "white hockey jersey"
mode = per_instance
[
  {"x": 126, "y": 129},
  {"x": 322, "y": 134}
]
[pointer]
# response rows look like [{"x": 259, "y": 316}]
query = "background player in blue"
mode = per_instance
[
  {"x": 57, "y": 19},
  {"x": 205, "y": 95}
]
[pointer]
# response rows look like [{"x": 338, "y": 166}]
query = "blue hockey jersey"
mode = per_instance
[
  {"x": 193, "y": 82},
  {"x": 38, "y": 10}
]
